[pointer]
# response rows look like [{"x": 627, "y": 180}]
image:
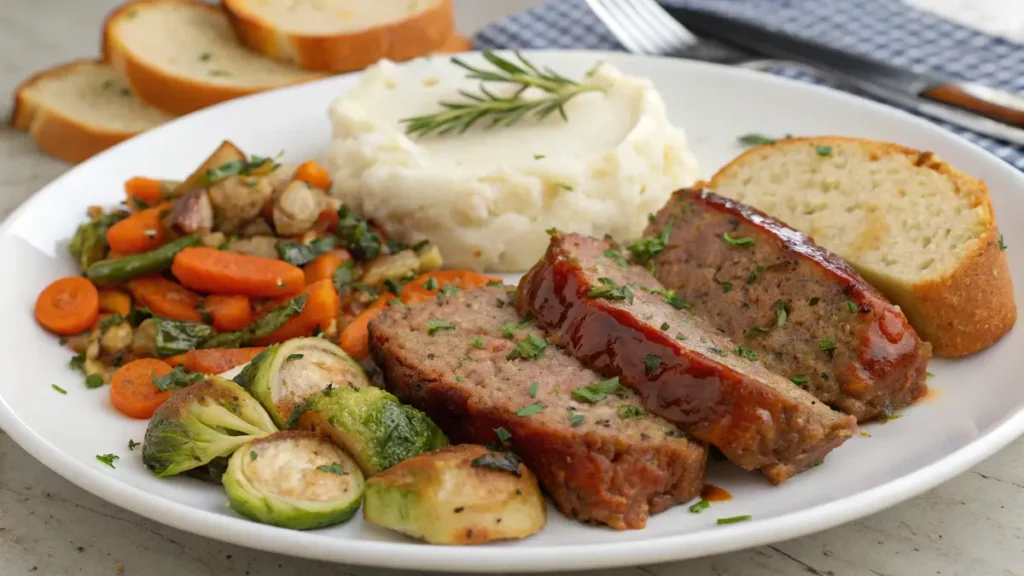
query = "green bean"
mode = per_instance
[{"x": 127, "y": 267}]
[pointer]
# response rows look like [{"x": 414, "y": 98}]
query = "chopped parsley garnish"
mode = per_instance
[
  {"x": 670, "y": 298},
  {"x": 824, "y": 376},
  {"x": 132, "y": 445},
  {"x": 718, "y": 351},
  {"x": 745, "y": 352},
  {"x": 477, "y": 343},
  {"x": 616, "y": 256},
  {"x": 508, "y": 329},
  {"x": 534, "y": 386},
  {"x": 447, "y": 290},
  {"x": 823, "y": 150},
  {"x": 1002, "y": 245},
  {"x": 505, "y": 462},
  {"x": 530, "y": 410},
  {"x": 630, "y": 412},
  {"x": 538, "y": 156},
  {"x": 564, "y": 186},
  {"x": 575, "y": 419},
  {"x": 755, "y": 331},
  {"x": 743, "y": 241},
  {"x": 664, "y": 326},
  {"x": 826, "y": 345},
  {"x": 551, "y": 231},
  {"x": 334, "y": 468},
  {"x": 865, "y": 434},
  {"x": 700, "y": 506},
  {"x": 645, "y": 249},
  {"x": 291, "y": 357},
  {"x": 504, "y": 436},
  {"x": 253, "y": 455},
  {"x": 492, "y": 283},
  {"x": 598, "y": 391},
  {"x": 753, "y": 275},
  {"x": 851, "y": 307},
  {"x": 814, "y": 300},
  {"x": 77, "y": 362},
  {"x": 651, "y": 217},
  {"x": 176, "y": 378},
  {"x": 609, "y": 290},
  {"x": 725, "y": 286},
  {"x": 395, "y": 285},
  {"x": 735, "y": 519},
  {"x": 430, "y": 284},
  {"x": 756, "y": 139},
  {"x": 529, "y": 348},
  {"x": 108, "y": 459},
  {"x": 887, "y": 413},
  {"x": 109, "y": 322},
  {"x": 397, "y": 302},
  {"x": 357, "y": 236},
  {"x": 58, "y": 389},
  {"x": 929, "y": 374},
  {"x": 799, "y": 379},
  {"x": 93, "y": 381},
  {"x": 651, "y": 363},
  {"x": 435, "y": 324},
  {"x": 781, "y": 314},
  {"x": 680, "y": 336}
]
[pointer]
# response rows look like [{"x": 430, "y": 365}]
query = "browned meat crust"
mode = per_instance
[
  {"x": 604, "y": 469},
  {"x": 835, "y": 334},
  {"x": 682, "y": 368}
]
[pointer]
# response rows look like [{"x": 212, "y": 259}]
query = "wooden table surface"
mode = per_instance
[{"x": 971, "y": 526}]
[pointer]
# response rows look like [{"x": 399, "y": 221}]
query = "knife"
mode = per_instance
[{"x": 974, "y": 106}]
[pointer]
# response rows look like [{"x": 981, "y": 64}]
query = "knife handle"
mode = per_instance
[{"x": 995, "y": 104}]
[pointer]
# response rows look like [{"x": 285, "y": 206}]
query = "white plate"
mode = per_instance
[{"x": 976, "y": 411}]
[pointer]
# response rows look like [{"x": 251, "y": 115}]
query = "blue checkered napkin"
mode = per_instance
[{"x": 886, "y": 30}]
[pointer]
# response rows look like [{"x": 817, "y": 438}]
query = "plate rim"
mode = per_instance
[{"x": 414, "y": 555}]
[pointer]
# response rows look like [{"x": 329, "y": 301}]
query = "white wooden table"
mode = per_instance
[{"x": 971, "y": 526}]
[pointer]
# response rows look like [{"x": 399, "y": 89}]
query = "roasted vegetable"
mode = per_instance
[
  {"x": 239, "y": 199},
  {"x": 225, "y": 154},
  {"x": 209, "y": 418},
  {"x": 458, "y": 495},
  {"x": 122, "y": 269},
  {"x": 262, "y": 246},
  {"x": 192, "y": 213},
  {"x": 284, "y": 375},
  {"x": 297, "y": 209},
  {"x": 370, "y": 424},
  {"x": 357, "y": 236},
  {"x": 179, "y": 336},
  {"x": 89, "y": 244},
  {"x": 295, "y": 480}
]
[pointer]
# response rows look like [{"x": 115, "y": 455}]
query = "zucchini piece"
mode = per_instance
[
  {"x": 463, "y": 494},
  {"x": 293, "y": 479},
  {"x": 285, "y": 374},
  {"x": 371, "y": 425}
]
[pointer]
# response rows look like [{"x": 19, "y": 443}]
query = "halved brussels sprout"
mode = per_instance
[
  {"x": 284, "y": 375},
  {"x": 463, "y": 494},
  {"x": 294, "y": 479},
  {"x": 206, "y": 419},
  {"x": 370, "y": 424}
]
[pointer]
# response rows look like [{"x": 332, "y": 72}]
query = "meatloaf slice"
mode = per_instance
[
  {"x": 619, "y": 320},
  {"x": 803, "y": 310},
  {"x": 474, "y": 367}
]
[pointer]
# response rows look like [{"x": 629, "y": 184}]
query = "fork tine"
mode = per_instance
[
  {"x": 671, "y": 33},
  {"x": 630, "y": 33}
]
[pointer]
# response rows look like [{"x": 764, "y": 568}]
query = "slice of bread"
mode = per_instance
[
  {"x": 455, "y": 43},
  {"x": 181, "y": 55},
  {"x": 920, "y": 231},
  {"x": 79, "y": 109},
  {"x": 341, "y": 35}
]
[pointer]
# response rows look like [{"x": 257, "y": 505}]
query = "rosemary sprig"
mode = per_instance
[{"x": 501, "y": 110}]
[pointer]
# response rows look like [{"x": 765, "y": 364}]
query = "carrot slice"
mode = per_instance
[
  {"x": 68, "y": 306},
  {"x": 313, "y": 174},
  {"x": 417, "y": 290},
  {"x": 148, "y": 190},
  {"x": 132, "y": 390},
  {"x": 166, "y": 298},
  {"x": 115, "y": 302},
  {"x": 220, "y": 272},
  {"x": 229, "y": 312},
  {"x": 217, "y": 360},
  {"x": 176, "y": 360},
  {"x": 320, "y": 310},
  {"x": 324, "y": 265},
  {"x": 354, "y": 338},
  {"x": 140, "y": 232}
]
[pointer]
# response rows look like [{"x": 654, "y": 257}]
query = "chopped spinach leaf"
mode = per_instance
[
  {"x": 299, "y": 254},
  {"x": 179, "y": 336},
  {"x": 174, "y": 379},
  {"x": 357, "y": 236}
]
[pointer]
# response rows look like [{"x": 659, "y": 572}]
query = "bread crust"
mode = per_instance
[
  {"x": 165, "y": 90},
  {"x": 59, "y": 135},
  {"x": 419, "y": 35},
  {"x": 959, "y": 313}
]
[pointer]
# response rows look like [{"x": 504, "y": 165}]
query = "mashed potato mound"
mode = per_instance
[{"x": 487, "y": 197}]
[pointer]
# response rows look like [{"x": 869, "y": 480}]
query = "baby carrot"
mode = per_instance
[
  {"x": 354, "y": 338},
  {"x": 166, "y": 298},
  {"x": 217, "y": 360},
  {"x": 132, "y": 390},
  {"x": 229, "y": 312},
  {"x": 426, "y": 286},
  {"x": 148, "y": 190},
  {"x": 320, "y": 310},
  {"x": 115, "y": 301},
  {"x": 68, "y": 306},
  {"x": 324, "y": 265},
  {"x": 313, "y": 174},
  {"x": 140, "y": 232},
  {"x": 220, "y": 272}
]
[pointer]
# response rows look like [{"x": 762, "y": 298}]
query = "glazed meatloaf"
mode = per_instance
[
  {"x": 801, "y": 309},
  {"x": 472, "y": 365},
  {"x": 617, "y": 319}
]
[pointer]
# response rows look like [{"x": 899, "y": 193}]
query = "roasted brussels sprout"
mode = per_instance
[
  {"x": 284, "y": 375},
  {"x": 207, "y": 419},
  {"x": 370, "y": 424},
  {"x": 293, "y": 479},
  {"x": 458, "y": 495}
]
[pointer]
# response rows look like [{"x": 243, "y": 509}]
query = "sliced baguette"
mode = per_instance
[
  {"x": 181, "y": 55},
  {"x": 79, "y": 109},
  {"x": 341, "y": 35},
  {"x": 919, "y": 230}
]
